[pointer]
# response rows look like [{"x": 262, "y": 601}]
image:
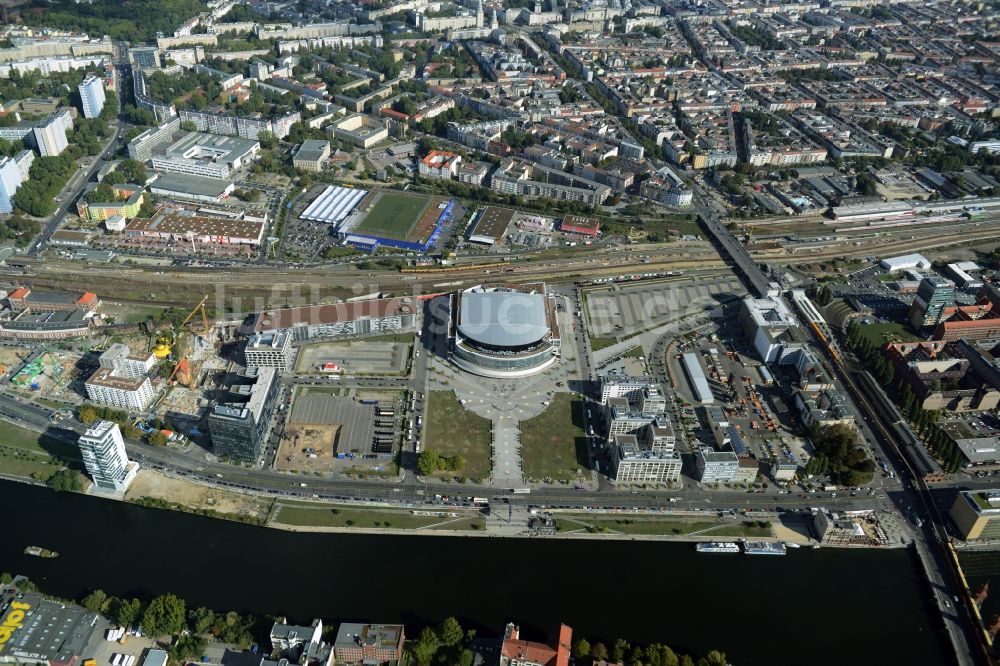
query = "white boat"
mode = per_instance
[
  {"x": 717, "y": 547},
  {"x": 790, "y": 544}
]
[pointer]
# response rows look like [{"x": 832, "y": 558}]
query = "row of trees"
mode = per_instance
[
  {"x": 168, "y": 614},
  {"x": 450, "y": 644},
  {"x": 925, "y": 422},
  {"x": 871, "y": 355}
]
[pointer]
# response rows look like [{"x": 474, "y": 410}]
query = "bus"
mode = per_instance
[{"x": 520, "y": 491}]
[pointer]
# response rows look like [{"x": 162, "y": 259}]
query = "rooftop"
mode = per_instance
[
  {"x": 503, "y": 318},
  {"x": 187, "y": 184}
]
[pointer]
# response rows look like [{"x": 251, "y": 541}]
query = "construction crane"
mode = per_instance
[{"x": 206, "y": 328}]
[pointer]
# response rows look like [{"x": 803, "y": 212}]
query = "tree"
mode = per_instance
[
  {"x": 97, "y": 601},
  {"x": 599, "y": 651},
  {"x": 65, "y": 480},
  {"x": 126, "y": 611},
  {"x": 450, "y": 632},
  {"x": 267, "y": 140},
  {"x": 158, "y": 439},
  {"x": 581, "y": 648},
  {"x": 426, "y": 646},
  {"x": 427, "y": 461},
  {"x": 189, "y": 646},
  {"x": 618, "y": 651},
  {"x": 164, "y": 615}
]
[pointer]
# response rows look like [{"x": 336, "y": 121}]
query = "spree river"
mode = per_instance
[{"x": 821, "y": 606}]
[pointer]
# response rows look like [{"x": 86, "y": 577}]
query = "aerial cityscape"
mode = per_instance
[{"x": 421, "y": 332}]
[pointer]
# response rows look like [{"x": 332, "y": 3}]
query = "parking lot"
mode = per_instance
[
  {"x": 623, "y": 310},
  {"x": 354, "y": 358}
]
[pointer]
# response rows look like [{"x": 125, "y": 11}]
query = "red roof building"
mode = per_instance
[
  {"x": 517, "y": 652},
  {"x": 574, "y": 224}
]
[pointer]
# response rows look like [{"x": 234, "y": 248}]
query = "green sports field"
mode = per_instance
[{"x": 394, "y": 215}]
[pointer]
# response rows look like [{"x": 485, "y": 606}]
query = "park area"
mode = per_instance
[
  {"x": 554, "y": 444},
  {"x": 29, "y": 454},
  {"x": 879, "y": 334},
  {"x": 393, "y": 215},
  {"x": 451, "y": 430},
  {"x": 640, "y": 524},
  {"x": 315, "y": 515}
]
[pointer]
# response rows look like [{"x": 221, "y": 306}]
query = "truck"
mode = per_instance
[{"x": 828, "y": 488}]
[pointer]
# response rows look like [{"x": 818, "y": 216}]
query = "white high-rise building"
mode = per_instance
[
  {"x": 13, "y": 172},
  {"x": 50, "y": 135},
  {"x": 92, "y": 96},
  {"x": 104, "y": 456}
]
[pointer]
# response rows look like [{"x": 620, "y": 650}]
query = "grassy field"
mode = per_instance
[
  {"x": 325, "y": 516},
  {"x": 553, "y": 444},
  {"x": 394, "y": 215},
  {"x": 640, "y": 525},
  {"x": 22, "y": 438},
  {"x": 879, "y": 334},
  {"x": 450, "y": 429},
  {"x": 742, "y": 530},
  {"x": 601, "y": 343}
]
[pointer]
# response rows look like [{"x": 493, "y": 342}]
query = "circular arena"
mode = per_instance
[{"x": 503, "y": 332}]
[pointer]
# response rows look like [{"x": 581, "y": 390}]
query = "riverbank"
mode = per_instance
[
  {"x": 486, "y": 581},
  {"x": 156, "y": 490}
]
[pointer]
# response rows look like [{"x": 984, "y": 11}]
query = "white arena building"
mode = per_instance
[
  {"x": 504, "y": 331},
  {"x": 333, "y": 205}
]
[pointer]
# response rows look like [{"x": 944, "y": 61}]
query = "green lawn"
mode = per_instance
[
  {"x": 601, "y": 343},
  {"x": 451, "y": 430},
  {"x": 553, "y": 444},
  {"x": 879, "y": 334},
  {"x": 394, "y": 215},
  {"x": 633, "y": 525},
  {"x": 326, "y": 516},
  {"x": 22, "y": 438},
  {"x": 742, "y": 530},
  {"x": 27, "y": 465}
]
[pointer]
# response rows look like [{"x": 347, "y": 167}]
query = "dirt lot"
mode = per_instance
[
  {"x": 308, "y": 447},
  {"x": 10, "y": 356},
  {"x": 153, "y": 484}
]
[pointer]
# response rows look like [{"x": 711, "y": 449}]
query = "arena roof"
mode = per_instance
[
  {"x": 503, "y": 318},
  {"x": 333, "y": 205}
]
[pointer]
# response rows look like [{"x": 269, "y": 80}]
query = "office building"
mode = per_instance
[
  {"x": 384, "y": 315},
  {"x": 440, "y": 164},
  {"x": 92, "y": 96},
  {"x": 145, "y": 57},
  {"x": 977, "y": 514},
  {"x": 205, "y": 155},
  {"x": 360, "y": 130},
  {"x": 311, "y": 155},
  {"x": 631, "y": 462},
  {"x": 717, "y": 466},
  {"x": 103, "y": 452},
  {"x": 368, "y": 643},
  {"x": 239, "y": 423},
  {"x": 768, "y": 323},
  {"x": 122, "y": 381},
  {"x": 50, "y": 135},
  {"x": 933, "y": 295},
  {"x": 13, "y": 172},
  {"x": 270, "y": 350},
  {"x": 23, "y": 298}
]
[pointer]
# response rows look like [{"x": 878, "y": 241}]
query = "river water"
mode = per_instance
[{"x": 821, "y": 606}]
